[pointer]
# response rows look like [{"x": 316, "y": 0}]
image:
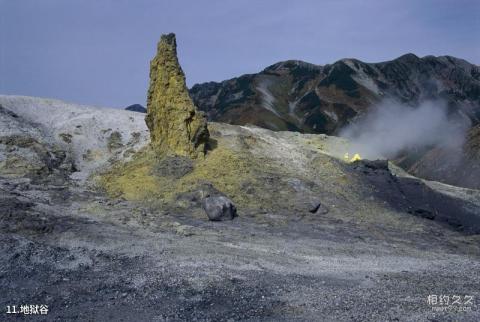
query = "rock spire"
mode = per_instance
[{"x": 175, "y": 124}]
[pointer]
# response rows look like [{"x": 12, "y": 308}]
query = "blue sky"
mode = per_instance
[{"x": 98, "y": 51}]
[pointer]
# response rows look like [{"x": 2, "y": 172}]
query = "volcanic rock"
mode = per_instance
[
  {"x": 219, "y": 208},
  {"x": 175, "y": 124},
  {"x": 317, "y": 207}
]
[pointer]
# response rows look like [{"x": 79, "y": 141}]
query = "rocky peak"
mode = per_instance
[
  {"x": 175, "y": 124},
  {"x": 136, "y": 108}
]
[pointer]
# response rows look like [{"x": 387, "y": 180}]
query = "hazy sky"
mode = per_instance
[{"x": 98, "y": 51}]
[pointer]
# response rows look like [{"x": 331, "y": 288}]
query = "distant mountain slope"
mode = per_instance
[
  {"x": 294, "y": 95},
  {"x": 461, "y": 169},
  {"x": 136, "y": 108}
]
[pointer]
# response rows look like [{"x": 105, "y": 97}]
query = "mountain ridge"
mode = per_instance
[
  {"x": 298, "y": 96},
  {"x": 372, "y": 81}
]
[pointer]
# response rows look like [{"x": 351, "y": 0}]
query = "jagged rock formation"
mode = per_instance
[{"x": 175, "y": 124}]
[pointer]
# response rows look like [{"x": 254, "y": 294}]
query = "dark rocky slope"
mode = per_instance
[{"x": 459, "y": 167}]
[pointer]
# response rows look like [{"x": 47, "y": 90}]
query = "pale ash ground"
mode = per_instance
[{"x": 89, "y": 257}]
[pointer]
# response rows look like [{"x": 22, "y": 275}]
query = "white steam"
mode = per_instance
[{"x": 391, "y": 128}]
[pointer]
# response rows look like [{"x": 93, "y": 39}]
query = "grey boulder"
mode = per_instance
[{"x": 219, "y": 208}]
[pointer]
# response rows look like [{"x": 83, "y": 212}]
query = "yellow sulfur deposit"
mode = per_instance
[
  {"x": 356, "y": 157},
  {"x": 175, "y": 124}
]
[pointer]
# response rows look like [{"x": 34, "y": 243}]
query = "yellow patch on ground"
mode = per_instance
[
  {"x": 223, "y": 168},
  {"x": 131, "y": 180}
]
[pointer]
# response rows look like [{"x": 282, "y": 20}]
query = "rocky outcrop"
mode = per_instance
[
  {"x": 24, "y": 153},
  {"x": 175, "y": 124}
]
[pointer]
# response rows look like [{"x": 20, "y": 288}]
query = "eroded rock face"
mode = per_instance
[{"x": 175, "y": 124}]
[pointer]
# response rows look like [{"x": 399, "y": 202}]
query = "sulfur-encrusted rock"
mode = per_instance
[{"x": 175, "y": 124}]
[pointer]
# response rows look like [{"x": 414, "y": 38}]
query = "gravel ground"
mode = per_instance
[{"x": 174, "y": 268}]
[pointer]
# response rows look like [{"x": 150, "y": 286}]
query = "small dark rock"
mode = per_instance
[
  {"x": 317, "y": 207},
  {"x": 219, "y": 208},
  {"x": 427, "y": 214}
]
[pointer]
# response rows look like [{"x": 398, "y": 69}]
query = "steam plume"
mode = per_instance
[{"x": 391, "y": 128}]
